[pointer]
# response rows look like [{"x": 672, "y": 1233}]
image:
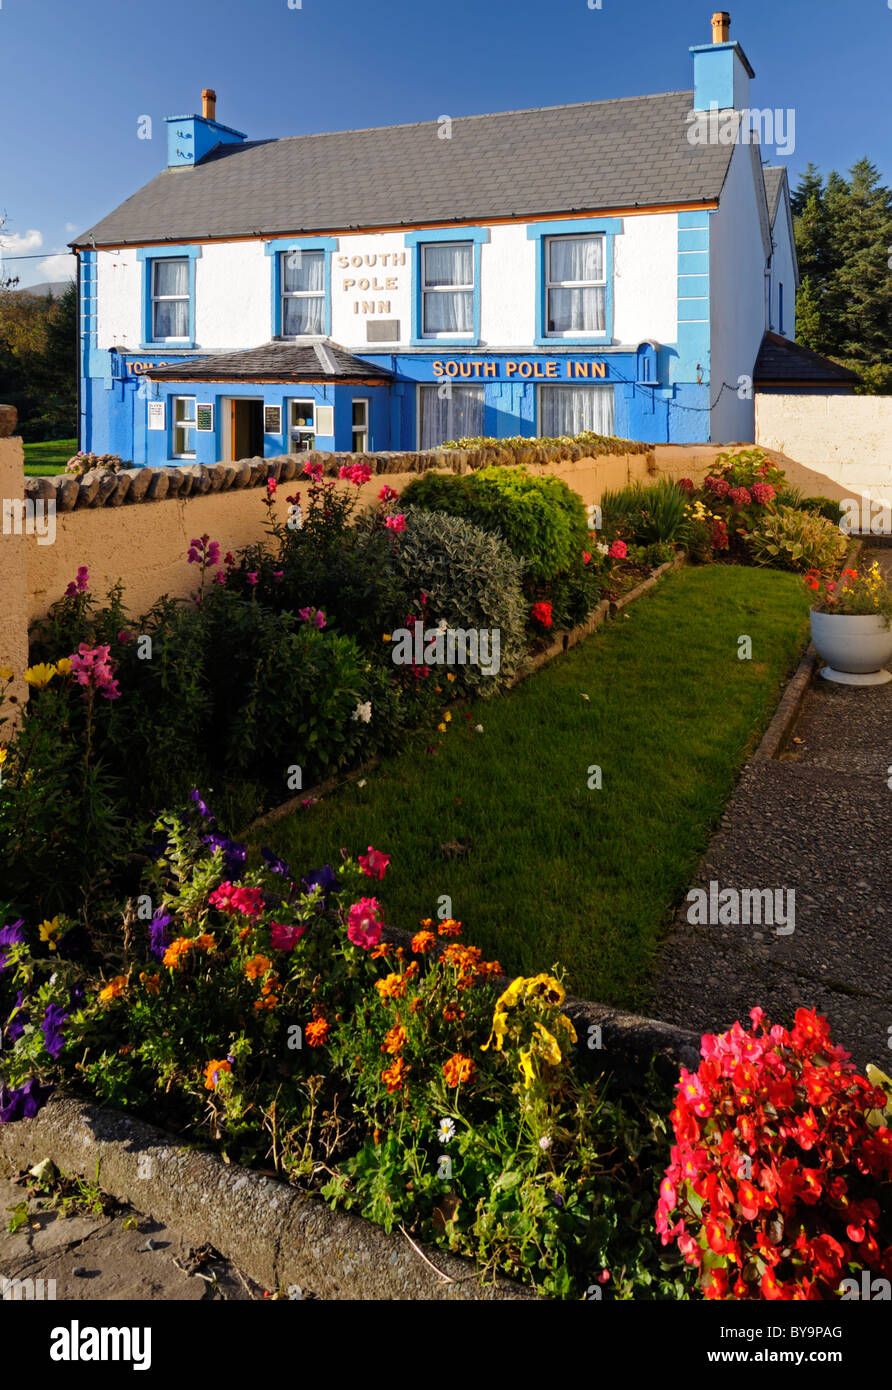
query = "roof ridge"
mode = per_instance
[{"x": 476, "y": 116}]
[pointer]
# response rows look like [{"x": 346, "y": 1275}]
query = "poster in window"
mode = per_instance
[
  {"x": 325, "y": 419},
  {"x": 156, "y": 415},
  {"x": 204, "y": 419},
  {"x": 272, "y": 419}
]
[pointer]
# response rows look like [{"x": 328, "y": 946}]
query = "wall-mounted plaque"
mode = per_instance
[
  {"x": 325, "y": 419},
  {"x": 156, "y": 415},
  {"x": 204, "y": 419},
  {"x": 272, "y": 419}
]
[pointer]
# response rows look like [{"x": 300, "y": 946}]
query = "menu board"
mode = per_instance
[
  {"x": 204, "y": 419},
  {"x": 272, "y": 419}
]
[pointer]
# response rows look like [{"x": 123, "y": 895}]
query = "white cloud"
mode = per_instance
[
  {"x": 61, "y": 266},
  {"x": 21, "y": 243},
  {"x": 72, "y": 227}
]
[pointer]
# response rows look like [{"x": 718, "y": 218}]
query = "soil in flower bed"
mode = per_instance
[{"x": 502, "y": 822}]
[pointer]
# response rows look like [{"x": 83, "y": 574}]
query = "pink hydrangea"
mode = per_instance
[
  {"x": 363, "y": 927},
  {"x": 686, "y": 484},
  {"x": 763, "y": 493},
  {"x": 396, "y": 523},
  {"x": 619, "y": 550},
  {"x": 374, "y": 864},
  {"x": 719, "y": 487},
  {"x": 740, "y": 496}
]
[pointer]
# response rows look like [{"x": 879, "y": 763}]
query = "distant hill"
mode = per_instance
[{"x": 56, "y": 288}]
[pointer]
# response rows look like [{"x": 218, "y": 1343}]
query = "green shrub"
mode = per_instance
[
  {"x": 826, "y": 507},
  {"x": 542, "y": 520},
  {"x": 646, "y": 515},
  {"x": 796, "y": 540},
  {"x": 472, "y": 581}
]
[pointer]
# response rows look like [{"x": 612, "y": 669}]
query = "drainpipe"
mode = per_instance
[{"x": 80, "y": 369}]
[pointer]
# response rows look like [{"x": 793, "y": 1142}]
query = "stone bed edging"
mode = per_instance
[{"x": 104, "y": 488}]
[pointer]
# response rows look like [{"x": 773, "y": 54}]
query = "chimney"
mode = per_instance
[
  {"x": 190, "y": 138},
  {"x": 722, "y": 70}
]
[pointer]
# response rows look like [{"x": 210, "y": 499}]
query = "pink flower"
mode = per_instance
[
  {"x": 285, "y": 938},
  {"x": 294, "y": 499},
  {"x": 363, "y": 927},
  {"x": 387, "y": 494},
  {"x": 541, "y": 613},
  {"x": 619, "y": 550},
  {"x": 395, "y": 523},
  {"x": 374, "y": 864},
  {"x": 232, "y": 897},
  {"x": 271, "y": 486},
  {"x": 585, "y": 557},
  {"x": 92, "y": 668},
  {"x": 252, "y": 577},
  {"x": 686, "y": 484},
  {"x": 740, "y": 497},
  {"x": 763, "y": 492},
  {"x": 357, "y": 473},
  {"x": 312, "y": 615},
  {"x": 123, "y": 636},
  {"x": 278, "y": 575},
  {"x": 313, "y": 470},
  {"x": 80, "y": 584}
]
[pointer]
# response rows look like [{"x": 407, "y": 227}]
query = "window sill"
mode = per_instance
[
  {"x": 445, "y": 342},
  {"x": 600, "y": 340},
  {"x": 178, "y": 345}
]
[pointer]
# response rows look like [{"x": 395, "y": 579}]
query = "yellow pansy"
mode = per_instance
[
  {"x": 40, "y": 676},
  {"x": 548, "y": 1046},
  {"x": 6, "y": 673},
  {"x": 499, "y": 1029},
  {"x": 63, "y": 666},
  {"x": 527, "y": 1068},
  {"x": 441, "y": 728}
]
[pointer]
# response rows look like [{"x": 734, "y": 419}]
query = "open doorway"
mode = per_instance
[{"x": 245, "y": 429}]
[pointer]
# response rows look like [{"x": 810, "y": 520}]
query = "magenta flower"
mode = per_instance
[
  {"x": 357, "y": 473},
  {"x": 387, "y": 494},
  {"x": 374, "y": 864},
  {"x": 278, "y": 575},
  {"x": 285, "y": 938},
  {"x": 252, "y": 577},
  {"x": 619, "y": 550},
  {"x": 92, "y": 668},
  {"x": 123, "y": 636},
  {"x": 272, "y": 486},
  {"x": 363, "y": 927},
  {"x": 313, "y": 470},
  {"x": 312, "y": 615},
  {"x": 395, "y": 523},
  {"x": 80, "y": 584}
]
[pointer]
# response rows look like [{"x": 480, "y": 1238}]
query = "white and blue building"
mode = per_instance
[{"x": 612, "y": 266}]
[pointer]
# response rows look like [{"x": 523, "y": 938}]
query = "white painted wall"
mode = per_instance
[
  {"x": 737, "y": 265},
  {"x": 845, "y": 437},
  {"x": 233, "y": 289},
  {"x": 783, "y": 271}
]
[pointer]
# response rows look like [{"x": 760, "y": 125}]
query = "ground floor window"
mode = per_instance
[
  {"x": 571, "y": 410},
  {"x": 184, "y": 427},
  {"x": 456, "y": 416},
  {"x": 303, "y": 426},
  {"x": 360, "y": 427}
]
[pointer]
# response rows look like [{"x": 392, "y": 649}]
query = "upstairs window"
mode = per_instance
[
  {"x": 170, "y": 300},
  {"x": 447, "y": 288},
  {"x": 303, "y": 293},
  {"x": 575, "y": 286}
]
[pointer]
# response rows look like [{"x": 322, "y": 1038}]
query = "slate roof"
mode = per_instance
[
  {"x": 319, "y": 360},
  {"x": 622, "y": 153},
  {"x": 774, "y": 182},
  {"x": 780, "y": 360}
]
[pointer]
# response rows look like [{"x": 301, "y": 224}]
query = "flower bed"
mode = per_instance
[{"x": 264, "y": 1014}]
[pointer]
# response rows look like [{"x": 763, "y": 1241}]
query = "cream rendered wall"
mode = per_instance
[
  {"x": 508, "y": 287},
  {"x": 387, "y": 284},
  {"x": 119, "y": 308},
  {"x": 233, "y": 296}
]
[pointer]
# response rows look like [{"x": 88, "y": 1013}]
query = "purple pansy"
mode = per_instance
[
  {"x": 158, "y": 938},
  {"x": 23, "y": 1102},
  {"x": 12, "y": 935},
  {"x": 51, "y": 1027},
  {"x": 324, "y": 878},
  {"x": 274, "y": 863}
]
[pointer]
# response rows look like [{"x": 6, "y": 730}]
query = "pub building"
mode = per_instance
[{"x": 612, "y": 266}]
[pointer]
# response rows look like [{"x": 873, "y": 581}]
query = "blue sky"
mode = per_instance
[{"x": 79, "y": 74}]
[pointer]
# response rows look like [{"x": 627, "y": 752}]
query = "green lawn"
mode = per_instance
[
  {"x": 48, "y": 457},
  {"x": 555, "y": 872}
]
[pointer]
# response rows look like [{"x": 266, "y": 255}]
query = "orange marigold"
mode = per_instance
[
  {"x": 206, "y": 941},
  {"x": 176, "y": 951},
  {"x": 113, "y": 989},
  {"x": 458, "y": 1069},
  {"x": 213, "y": 1072},
  {"x": 151, "y": 982},
  {"x": 422, "y": 942},
  {"x": 395, "y": 1075},
  {"x": 451, "y": 1012},
  {"x": 316, "y": 1032},
  {"x": 382, "y": 949},
  {"x": 450, "y": 927},
  {"x": 391, "y": 987},
  {"x": 394, "y": 1040},
  {"x": 257, "y": 966}
]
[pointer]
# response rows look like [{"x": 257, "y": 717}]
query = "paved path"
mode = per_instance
[
  {"x": 819, "y": 822},
  {"x": 98, "y": 1257}
]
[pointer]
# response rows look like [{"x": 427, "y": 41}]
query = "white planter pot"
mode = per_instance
[{"x": 855, "y": 647}]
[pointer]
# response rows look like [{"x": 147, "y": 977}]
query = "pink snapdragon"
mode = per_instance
[
  {"x": 356, "y": 473},
  {"x": 79, "y": 585},
  {"x": 374, "y": 864},
  {"x": 388, "y": 494},
  {"x": 203, "y": 551},
  {"x": 314, "y": 471},
  {"x": 312, "y": 615},
  {"x": 395, "y": 523},
  {"x": 363, "y": 927},
  {"x": 92, "y": 668}
]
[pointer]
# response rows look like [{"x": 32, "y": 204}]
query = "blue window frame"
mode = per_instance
[
  {"x": 574, "y": 280},
  {"x": 445, "y": 301},
  {"x": 301, "y": 285},
  {"x": 168, "y": 295}
]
